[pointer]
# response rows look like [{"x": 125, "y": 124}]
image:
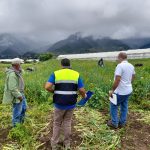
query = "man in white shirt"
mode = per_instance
[{"x": 122, "y": 87}]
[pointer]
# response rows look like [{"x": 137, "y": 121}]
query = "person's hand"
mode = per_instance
[
  {"x": 85, "y": 96},
  {"x": 20, "y": 98},
  {"x": 111, "y": 93}
]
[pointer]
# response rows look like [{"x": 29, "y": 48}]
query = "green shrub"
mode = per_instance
[
  {"x": 21, "y": 134},
  {"x": 141, "y": 94},
  {"x": 99, "y": 100},
  {"x": 45, "y": 56}
]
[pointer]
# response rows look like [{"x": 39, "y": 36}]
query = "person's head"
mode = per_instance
[
  {"x": 122, "y": 56},
  {"x": 16, "y": 63},
  {"x": 65, "y": 63}
]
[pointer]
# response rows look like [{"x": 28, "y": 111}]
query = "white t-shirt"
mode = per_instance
[{"x": 126, "y": 71}]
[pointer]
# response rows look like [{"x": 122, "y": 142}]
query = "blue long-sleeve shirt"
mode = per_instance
[{"x": 80, "y": 85}]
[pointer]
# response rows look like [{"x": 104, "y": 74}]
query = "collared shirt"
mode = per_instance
[{"x": 126, "y": 71}]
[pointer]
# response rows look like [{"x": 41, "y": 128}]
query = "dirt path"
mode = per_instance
[
  {"x": 46, "y": 134},
  {"x": 137, "y": 134},
  {"x": 3, "y": 136}
]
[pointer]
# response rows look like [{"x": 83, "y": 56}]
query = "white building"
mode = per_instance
[
  {"x": 32, "y": 60},
  {"x": 9, "y": 60},
  {"x": 132, "y": 54}
]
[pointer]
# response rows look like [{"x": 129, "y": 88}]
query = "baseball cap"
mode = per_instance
[{"x": 17, "y": 61}]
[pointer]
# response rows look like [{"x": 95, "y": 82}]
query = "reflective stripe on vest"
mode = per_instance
[
  {"x": 65, "y": 81},
  {"x": 66, "y": 85},
  {"x": 65, "y": 92}
]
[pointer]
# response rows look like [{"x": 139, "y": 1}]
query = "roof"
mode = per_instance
[{"x": 108, "y": 55}]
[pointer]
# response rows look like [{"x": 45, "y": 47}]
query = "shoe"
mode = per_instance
[
  {"x": 56, "y": 147},
  {"x": 67, "y": 147},
  {"x": 110, "y": 124},
  {"x": 121, "y": 125}
]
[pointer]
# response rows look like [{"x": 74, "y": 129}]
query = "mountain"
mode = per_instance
[
  {"x": 13, "y": 42},
  {"x": 14, "y": 45},
  {"x": 78, "y": 44},
  {"x": 137, "y": 43},
  {"x": 145, "y": 46},
  {"x": 9, "y": 53}
]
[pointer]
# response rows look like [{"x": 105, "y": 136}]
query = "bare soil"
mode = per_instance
[
  {"x": 3, "y": 136},
  {"x": 137, "y": 134}
]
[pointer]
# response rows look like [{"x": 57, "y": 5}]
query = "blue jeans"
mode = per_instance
[
  {"x": 19, "y": 110},
  {"x": 122, "y": 101}
]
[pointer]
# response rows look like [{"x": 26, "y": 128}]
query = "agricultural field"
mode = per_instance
[{"x": 89, "y": 129}]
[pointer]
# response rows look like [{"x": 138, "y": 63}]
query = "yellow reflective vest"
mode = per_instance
[{"x": 66, "y": 86}]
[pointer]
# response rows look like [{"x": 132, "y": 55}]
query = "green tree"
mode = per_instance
[{"x": 45, "y": 56}]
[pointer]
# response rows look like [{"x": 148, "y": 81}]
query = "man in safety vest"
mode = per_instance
[{"x": 66, "y": 83}]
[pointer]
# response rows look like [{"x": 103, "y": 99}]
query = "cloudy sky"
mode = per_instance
[{"x": 52, "y": 20}]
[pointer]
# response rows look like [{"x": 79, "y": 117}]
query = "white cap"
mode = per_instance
[{"x": 17, "y": 61}]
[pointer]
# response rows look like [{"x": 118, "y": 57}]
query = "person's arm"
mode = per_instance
[
  {"x": 115, "y": 85},
  {"x": 118, "y": 73},
  {"x": 13, "y": 87},
  {"x": 50, "y": 83},
  {"x": 82, "y": 92},
  {"x": 81, "y": 88},
  {"x": 49, "y": 87}
]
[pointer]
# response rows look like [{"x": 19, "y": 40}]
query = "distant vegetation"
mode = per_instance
[{"x": 45, "y": 56}]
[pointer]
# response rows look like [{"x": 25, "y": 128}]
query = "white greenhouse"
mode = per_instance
[
  {"x": 9, "y": 60},
  {"x": 132, "y": 54}
]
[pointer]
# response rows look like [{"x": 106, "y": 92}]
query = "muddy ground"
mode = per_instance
[{"x": 137, "y": 134}]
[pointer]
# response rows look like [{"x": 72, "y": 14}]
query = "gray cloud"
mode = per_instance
[{"x": 52, "y": 20}]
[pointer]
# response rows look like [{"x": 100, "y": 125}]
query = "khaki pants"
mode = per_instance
[{"x": 62, "y": 120}]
